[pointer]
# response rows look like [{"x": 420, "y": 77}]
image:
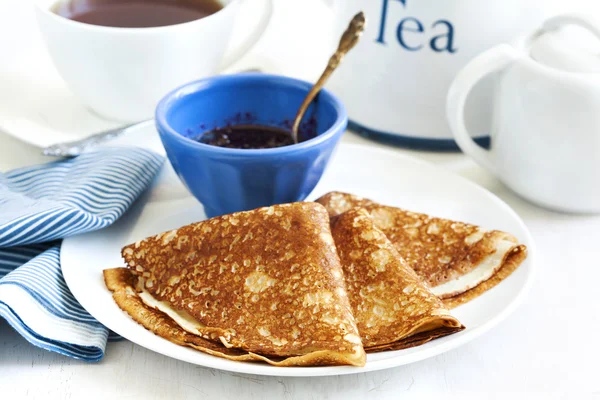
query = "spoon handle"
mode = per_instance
[
  {"x": 76, "y": 147},
  {"x": 348, "y": 40}
]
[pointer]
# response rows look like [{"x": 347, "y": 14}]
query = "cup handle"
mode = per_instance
[
  {"x": 490, "y": 61},
  {"x": 242, "y": 48}
]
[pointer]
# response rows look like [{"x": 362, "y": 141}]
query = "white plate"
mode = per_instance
[{"x": 378, "y": 174}]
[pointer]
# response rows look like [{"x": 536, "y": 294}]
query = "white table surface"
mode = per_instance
[{"x": 549, "y": 348}]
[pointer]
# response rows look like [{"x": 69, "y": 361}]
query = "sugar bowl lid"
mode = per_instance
[{"x": 568, "y": 43}]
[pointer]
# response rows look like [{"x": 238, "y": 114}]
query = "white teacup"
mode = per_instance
[
  {"x": 122, "y": 73},
  {"x": 545, "y": 135}
]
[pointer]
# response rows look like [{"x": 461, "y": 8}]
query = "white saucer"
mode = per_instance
[
  {"x": 383, "y": 175},
  {"x": 37, "y": 107}
]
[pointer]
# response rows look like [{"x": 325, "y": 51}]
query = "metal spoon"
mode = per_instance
[
  {"x": 349, "y": 39},
  {"x": 76, "y": 147}
]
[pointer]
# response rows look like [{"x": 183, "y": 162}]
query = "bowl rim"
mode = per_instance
[{"x": 167, "y": 102}]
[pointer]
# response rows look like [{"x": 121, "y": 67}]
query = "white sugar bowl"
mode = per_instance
[{"x": 545, "y": 131}]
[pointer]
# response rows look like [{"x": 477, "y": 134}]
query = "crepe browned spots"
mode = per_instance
[
  {"x": 458, "y": 261},
  {"x": 392, "y": 306},
  {"x": 266, "y": 283},
  {"x": 123, "y": 285}
]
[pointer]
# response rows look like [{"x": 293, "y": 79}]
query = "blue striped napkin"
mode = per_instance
[{"x": 42, "y": 204}]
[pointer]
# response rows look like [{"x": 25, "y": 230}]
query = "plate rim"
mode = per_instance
[{"x": 458, "y": 340}]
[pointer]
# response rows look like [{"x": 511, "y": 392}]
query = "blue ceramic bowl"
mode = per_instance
[{"x": 229, "y": 180}]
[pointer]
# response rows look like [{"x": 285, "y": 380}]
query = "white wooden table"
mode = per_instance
[{"x": 549, "y": 348}]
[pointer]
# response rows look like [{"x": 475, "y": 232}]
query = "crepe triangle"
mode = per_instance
[
  {"x": 265, "y": 284},
  {"x": 458, "y": 261},
  {"x": 393, "y": 308}
]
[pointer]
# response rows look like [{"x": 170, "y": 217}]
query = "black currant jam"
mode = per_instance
[{"x": 247, "y": 137}]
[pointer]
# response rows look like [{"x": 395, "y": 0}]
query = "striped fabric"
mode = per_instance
[{"x": 39, "y": 206}]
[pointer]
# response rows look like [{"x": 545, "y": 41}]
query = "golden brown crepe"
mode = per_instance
[
  {"x": 122, "y": 283},
  {"x": 264, "y": 284},
  {"x": 392, "y": 306},
  {"x": 458, "y": 261}
]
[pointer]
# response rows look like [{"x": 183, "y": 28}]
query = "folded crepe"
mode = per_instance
[
  {"x": 262, "y": 285},
  {"x": 392, "y": 306},
  {"x": 458, "y": 261}
]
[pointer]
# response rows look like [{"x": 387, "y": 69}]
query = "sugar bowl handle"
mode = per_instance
[{"x": 492, "y": 60}]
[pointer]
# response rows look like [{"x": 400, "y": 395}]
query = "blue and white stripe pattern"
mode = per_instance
[{"x": 40, "y": 205}]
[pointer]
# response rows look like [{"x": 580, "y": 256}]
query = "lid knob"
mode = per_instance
[{"x": 568, "y": 43}]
